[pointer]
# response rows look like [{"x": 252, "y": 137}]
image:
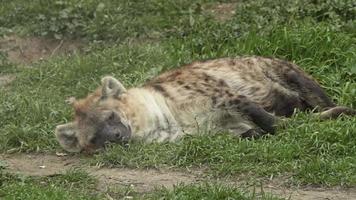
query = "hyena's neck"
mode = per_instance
[{"x": 148, "y": 113}]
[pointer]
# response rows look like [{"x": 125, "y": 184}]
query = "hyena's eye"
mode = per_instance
[{"x": 111, "y": 116}]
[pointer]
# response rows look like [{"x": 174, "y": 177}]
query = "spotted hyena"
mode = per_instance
[{"x": 245, "y": 96}]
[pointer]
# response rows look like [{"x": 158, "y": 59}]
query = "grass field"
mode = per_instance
[{"x": 136, "y": 40}]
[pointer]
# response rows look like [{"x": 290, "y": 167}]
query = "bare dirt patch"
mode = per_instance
[
  {"x": 49, "y": 165},
  {"x": 6, "y": 79},
  {"x": 30, "y": 49},
  {"x": 221, "y": 11},
  {"x": 143, "y": 180}
]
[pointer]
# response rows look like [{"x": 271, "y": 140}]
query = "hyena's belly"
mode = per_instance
[{"x": 203, "y": 117}]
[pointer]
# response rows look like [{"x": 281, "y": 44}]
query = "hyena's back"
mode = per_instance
[{"x": 278, "y": 86}]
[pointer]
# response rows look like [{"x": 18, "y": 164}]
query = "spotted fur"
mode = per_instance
[{"x": 242, "y": 95}]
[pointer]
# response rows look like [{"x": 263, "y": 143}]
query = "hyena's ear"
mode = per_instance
[
  {"x": 111, "y": 87},
  {"x": 67, "y": 138}
]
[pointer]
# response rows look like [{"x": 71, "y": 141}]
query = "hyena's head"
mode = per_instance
[{"x": 99, "y": 119}]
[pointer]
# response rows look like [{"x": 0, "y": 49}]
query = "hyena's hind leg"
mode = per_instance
[
  {"x": 252, "y": 120},
  {"x": 314, "y": 97}
]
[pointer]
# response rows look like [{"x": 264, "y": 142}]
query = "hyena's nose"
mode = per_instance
[
  {"x": 118, "y": 136},
  {"x": 115, "y": 138}
]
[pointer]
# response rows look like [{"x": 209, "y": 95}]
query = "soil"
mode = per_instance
[
  {"x": 31, "y": 49},
  {"x": 6, "y": 79},
  {"x": 143, "y": 180},
  {"x": 221, "y": 11},
  {"x": 50, "y": 165}
]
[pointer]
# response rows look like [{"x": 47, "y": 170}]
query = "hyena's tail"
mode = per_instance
[{"x": 336, "y": 111}]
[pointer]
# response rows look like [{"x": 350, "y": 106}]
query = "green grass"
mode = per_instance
[
  {"x": 99, "y": 20},
  {"x": 208, "y": 192},
  {"x": 320, "y": 37},
  {"x": 77, "y": 184}
]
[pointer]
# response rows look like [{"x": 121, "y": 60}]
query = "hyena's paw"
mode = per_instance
[{"x": 253, "y": 133}]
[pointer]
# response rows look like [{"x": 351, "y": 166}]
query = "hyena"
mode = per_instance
[{"x": 245, "y": 96}]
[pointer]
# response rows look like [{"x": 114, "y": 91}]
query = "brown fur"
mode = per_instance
[{"x": 243, "y": 95}]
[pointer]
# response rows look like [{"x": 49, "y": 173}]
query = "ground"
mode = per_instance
[
  {"x": 145, "y": 180},
  {"x": 49, "y": 52},
  {"x": 30, "y": 49}
]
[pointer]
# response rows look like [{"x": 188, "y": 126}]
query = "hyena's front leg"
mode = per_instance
[
  {"x": 164, "y": 135},
  {"x": 265, "y": 121},
  {"x": 245, "y": 129}
]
